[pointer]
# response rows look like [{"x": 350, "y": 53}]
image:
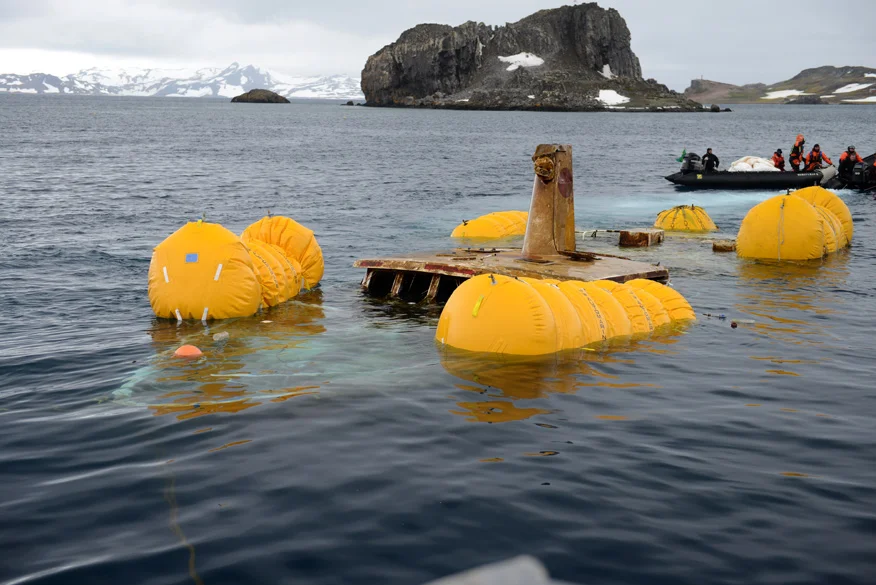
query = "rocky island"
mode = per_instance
[
  {"x": 573, "y": 58},
  {"x": 259, "y": 96}
]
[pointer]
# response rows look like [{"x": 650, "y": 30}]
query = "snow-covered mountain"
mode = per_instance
[{"x": 209, "y": 82}]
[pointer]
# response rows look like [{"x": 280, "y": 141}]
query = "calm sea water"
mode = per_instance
[{"x": 337, "y": 445}]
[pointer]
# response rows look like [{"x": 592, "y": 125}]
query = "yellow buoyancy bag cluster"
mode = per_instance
[
  {"x": 685, "y": 218},
  {"x": 805, "y": 225},
  {"x": 296, "y": 241},
  {"x": 522, "y": 316},
  {"x": 204, "y": 271},
  {"x": 501, "y": 224}
]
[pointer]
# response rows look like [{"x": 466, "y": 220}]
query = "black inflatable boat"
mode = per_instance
[{"x": 692, "y": 176}]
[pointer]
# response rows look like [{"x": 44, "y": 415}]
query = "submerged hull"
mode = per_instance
[{"x": 762, "y": 180}]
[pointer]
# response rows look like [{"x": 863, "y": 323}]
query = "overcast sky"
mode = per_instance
[{"x": 743, "y": 41}]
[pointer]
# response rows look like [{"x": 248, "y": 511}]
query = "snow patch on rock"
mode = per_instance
[
  {"x": 777, "y": 95},
  {"x": 610, "y": 97},
  {"x": 522, "y": 60},
  {"x": 606, "y": 72},
  {"x": 852, "y": 87},
  {"x": 866, "y": 100}
]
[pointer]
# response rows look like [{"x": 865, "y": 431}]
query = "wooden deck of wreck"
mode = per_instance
[{"x": 433, "y": 276}]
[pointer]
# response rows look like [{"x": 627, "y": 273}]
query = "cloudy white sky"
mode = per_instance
[{"x": 743, "y": 41}]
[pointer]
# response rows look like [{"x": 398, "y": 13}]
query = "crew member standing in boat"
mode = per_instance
[
  {"x": 848, "y": 159},
  {"x": 816, "y": 158},
  {"x": 779, "y": 160},
  {"x": 796, "y": 158},
  {"x": 710, "y": 161}
]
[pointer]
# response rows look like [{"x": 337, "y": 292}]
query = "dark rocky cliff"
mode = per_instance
[{"x": 555, "y": 59}]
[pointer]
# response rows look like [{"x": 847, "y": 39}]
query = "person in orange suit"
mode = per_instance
[
  {"x": 796, "y": 158},
  {"x": 779, "y": 160},
  {"x": 848, "y": 159},
  {"x": 816, "y": 158}
]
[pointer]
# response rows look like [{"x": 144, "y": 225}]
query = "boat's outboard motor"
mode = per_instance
[
  {"x": 692, "y": 163},
  {"x": 859, "y": 175}
]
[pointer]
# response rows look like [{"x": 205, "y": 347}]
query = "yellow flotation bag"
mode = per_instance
[
  {"x": 830, "y": 201},
  {"x": 203, "y": 271},
  {"x": 676, "y": 305},
  {"x": 570, "y": 331},
  {"x": 498, "y": 314},
  {"x": 606, "y": 317},
  {"x": 788, "y": 227},
  {"x": 297, "y": 242},
  {"x": 834, "y": 234},
  {"x": 271, "y": 266},
  {"x": 501, "y": 224},
  {"x": 685, "y": 218},
  {"x": 636, "y": 309},
  {"x": 292, "y": 269},
  {"x": 528, "y": 317}
]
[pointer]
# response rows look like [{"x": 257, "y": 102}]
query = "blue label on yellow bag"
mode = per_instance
[{"x": 191, "y": 258}]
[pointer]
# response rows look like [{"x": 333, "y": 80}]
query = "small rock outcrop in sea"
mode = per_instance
[
  {"x": 573, "y": 58},
  {"x": 260, "y": 96}
]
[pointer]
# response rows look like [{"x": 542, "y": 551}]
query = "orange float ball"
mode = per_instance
[{"x": 188, "y": 352}]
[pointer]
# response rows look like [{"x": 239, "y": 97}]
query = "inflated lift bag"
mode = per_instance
[
  {"x": 603, "y": 316},
  {"x": 685, "y": 218},
  {"x": 570, "y": 330},
  {"x": 788, "y": 227},
  {"x": 203, "y": 271},
  {"x": 830, "y": 201},
  {"x": 676, "y": 305},
  {"x": 498, "y": 314},
  {"x": 643, "y": 314},
  {"x": 270, "y": 267},
  {"x": 834, "y": 235},
  {"x": 292, "y": 269},
  {"x": 501, "y": 224},
  {"x": 296, "y": 241}
]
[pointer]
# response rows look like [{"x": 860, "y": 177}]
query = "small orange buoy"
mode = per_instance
[{"x": 188, "y": 352}]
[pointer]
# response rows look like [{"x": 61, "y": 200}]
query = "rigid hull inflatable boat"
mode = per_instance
[
  {"x": 752, "y": 180},
  {"x": 693, "y": 176}
]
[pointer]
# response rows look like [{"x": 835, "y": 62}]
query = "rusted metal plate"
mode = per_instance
[{"x": 564, "y": 183}]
